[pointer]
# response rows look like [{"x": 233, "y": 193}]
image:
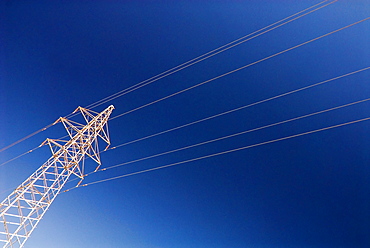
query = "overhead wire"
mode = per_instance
[
  {"x": 212, "y": 53},
  {"x": 27, "y": 137},
  {"x": 209, "y": 117},
  {"x": 19, "y": 156},
  {"x": 221, "y": 153},
  {"x": 238, "y": 69},
  {"x": 240, "y": 108},
  {"x": 6, "y": 190},
  {"x": 237, "y": 134},
  {"x": 274, "y": 56},
  {"x": 232, "y": 135},
  {"x": 184, "y": 65}
]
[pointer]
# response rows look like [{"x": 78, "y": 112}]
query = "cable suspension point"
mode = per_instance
[{"x": 22, "y": 210}]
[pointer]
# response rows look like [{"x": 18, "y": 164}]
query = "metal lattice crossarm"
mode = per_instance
[{"x": 21, "y": 211}]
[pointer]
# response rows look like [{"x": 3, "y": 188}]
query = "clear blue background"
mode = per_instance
[{"x": 310, "y": 191}]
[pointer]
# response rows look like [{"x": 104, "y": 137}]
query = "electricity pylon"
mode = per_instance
[{"x": 22, "y": 210}]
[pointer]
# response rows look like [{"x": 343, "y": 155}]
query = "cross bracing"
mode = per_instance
[{"x": 21, "y": 211}]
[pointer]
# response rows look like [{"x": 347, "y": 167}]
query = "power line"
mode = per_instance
[
  {"x": 210, "y": 117},
  {"x": 27, "y": 137},
  {"x": 21, "y": 155},
  {"x": 238, "y": 69},
  {"x": 240, "y": 108},
  {"x": 185, "y": 65},
  {"x": 239, "y": 133},
  {"x": 230, "y": 136},
  {"x": 221, "y": 153},
  {"x": 210, "y": 54}
]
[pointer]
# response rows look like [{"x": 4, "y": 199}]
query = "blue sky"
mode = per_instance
[{"x": 310, "y": 191}]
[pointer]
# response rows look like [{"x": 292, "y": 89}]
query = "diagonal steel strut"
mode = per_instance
[{"x": 22, "y": 210}]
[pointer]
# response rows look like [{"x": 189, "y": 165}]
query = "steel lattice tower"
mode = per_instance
[{"x": 22, "y": 210}]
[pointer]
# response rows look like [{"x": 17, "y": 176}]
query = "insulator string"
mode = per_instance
[
  {"x": 222, "y": 153},
  {"x": 229, "y": 136}
]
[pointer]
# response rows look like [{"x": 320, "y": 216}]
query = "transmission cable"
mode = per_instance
[
  {"x": 19, "y": 156},
  {"x": 210, "y": 54},
  {"x": 239, "y": 108},
  {"x": 26, "y": 137},
  {"x": 238, "y": 69},
  {"x": 210, "y": 117},
  {"x": 186, "y": 64},
  {"x": 237, "y": 134},
  {"x": 222, "y": 153}
]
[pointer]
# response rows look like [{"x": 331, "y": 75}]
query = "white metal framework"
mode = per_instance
[{"x": 22, "y": 210}]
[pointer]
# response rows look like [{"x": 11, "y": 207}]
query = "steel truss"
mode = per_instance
[{"x": 22, "y": 210}]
